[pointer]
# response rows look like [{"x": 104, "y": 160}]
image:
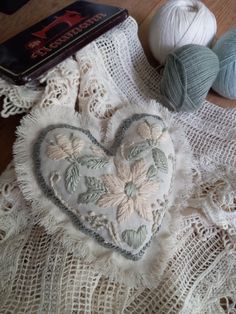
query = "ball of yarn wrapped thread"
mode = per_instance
[
  {"x": 225, "y": 48},
  {"x": 188, "y": 75},
  {"x": 178, "y": 23}
]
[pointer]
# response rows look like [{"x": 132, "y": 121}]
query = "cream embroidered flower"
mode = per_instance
[
  {"x": 130, "y": 191},
  {"x": 64, "y": 147},
  {"x": 153, "y": 131}
]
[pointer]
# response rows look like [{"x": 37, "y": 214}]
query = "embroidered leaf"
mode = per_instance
[
  {"x": 93, "y": 162},
  {"x": 95, "y": 184},
  {"x": 137, "y": 151},
  {"x": 160, "y": 159},
  {"x": 89, "y": 197},
  {"x": 72, "y": 177},
  {"x": 135, "y": 238},
  {"x": 152, "y": 173},
  {"x": 95, "y": 189}
]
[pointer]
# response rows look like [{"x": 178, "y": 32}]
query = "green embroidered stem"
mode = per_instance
[
  {"x": 156, "y": 217},
  {"x": 100, "y": 221},
  {"x": 55, "y": 177},
  {"x": 92, "y": 162},
  {"x": 138, "y": 151},
  {"x": 153, "y": 143},
  {"x": 114, "y": 234}
]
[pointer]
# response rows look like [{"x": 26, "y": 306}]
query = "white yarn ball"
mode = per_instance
[{"x": 178, "y": 23}]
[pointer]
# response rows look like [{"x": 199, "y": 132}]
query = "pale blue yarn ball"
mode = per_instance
[
  {"x": 188, "y": 75},
  {"x": 225, "y": 49}
]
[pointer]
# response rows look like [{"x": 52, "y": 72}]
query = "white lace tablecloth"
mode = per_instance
[{"x": 38, "y": 274}]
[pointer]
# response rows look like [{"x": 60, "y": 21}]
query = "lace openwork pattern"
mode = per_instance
[{"x": 40, "y": 275}]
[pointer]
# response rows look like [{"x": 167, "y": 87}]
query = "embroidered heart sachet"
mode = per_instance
[{"x": 115, "y": 193}]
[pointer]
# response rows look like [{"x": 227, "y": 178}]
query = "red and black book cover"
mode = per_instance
[{"x": 30, "y": 53}]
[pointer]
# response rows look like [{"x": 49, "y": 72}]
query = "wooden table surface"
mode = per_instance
[{"x": 142, "y": 11}]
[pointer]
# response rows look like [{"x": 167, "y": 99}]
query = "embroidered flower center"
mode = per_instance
[{"x": 130, "y": 189}]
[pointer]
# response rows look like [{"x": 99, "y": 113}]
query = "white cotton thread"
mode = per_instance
[{"x": 178, "y": 23}]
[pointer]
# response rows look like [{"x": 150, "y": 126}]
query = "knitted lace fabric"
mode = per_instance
[{"x": 39, "y": 274}]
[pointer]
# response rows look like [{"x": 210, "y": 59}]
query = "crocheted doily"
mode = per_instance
[{"x": 42, "y": 272}]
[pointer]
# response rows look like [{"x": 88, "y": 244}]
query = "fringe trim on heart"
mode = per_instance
[{"x": 144, "y": 272}]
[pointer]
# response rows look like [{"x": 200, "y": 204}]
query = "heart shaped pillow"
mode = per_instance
[{"x": 114, "y": 191}]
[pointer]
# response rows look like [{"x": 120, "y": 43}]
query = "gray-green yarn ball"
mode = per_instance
[
  {"x": 225, "y": 48},
  {"x": 188, "y": 75}
]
